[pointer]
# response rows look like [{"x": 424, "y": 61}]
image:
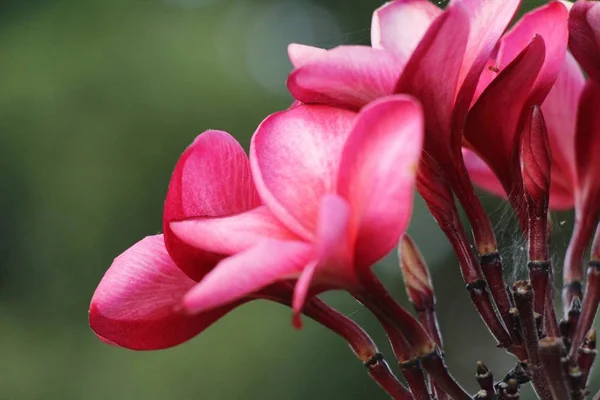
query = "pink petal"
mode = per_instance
[
  {"x": 301, "y": 292},
  {"x": 587, "y": 147},
  {"x": 399, "y": 26},
  {"x": 300, "y": 54},
  {"x": 584, "y": 36},
  {"x": 334, "y": 256},
  {"x": 346, "y": 76},
  {"x": 377, "y": 173},
  {"x": 560, "y": 113},
  {"x": 244, "y": 274},
  {"x": 135, "y": 304},
  {"x": 232, "y": 234},
  {"x": 487, "y": 21},
  {"x": 550, "y": 22},
  {"x": 493, "y": 121},
  {"x": 432, "y": 75},
  {"x": 481, "y": 174},
  {"x": 211, "y": 179},
  {"x": 295, "y": 159}
]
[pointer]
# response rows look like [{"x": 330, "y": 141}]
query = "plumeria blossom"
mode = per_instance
[
  {"x": 530, "y": 59},
  {"x": 337, "y": 194},
  {"x": 573, "y": 134},
  {"x": 138, "y": 303}
]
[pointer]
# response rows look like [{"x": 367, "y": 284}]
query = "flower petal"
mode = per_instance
[
  {"x": 295, "y": 159},
  {"x": 377, "y": 173},
  {"x": 135, "y": 304},
  {"x": 587, "y": 146},
  {"x": 584, "y": 36},
  {"x": 246, "y": 273},
  {"x": 232, "y": 234},
  {"x": 211, "y": 179},
  {"x": 493, "y": 122},
  {"x": 560, "y": 113},
  {"x": 432, "y": 74},
  {"x": 346, "y": 76},
  {"x": 481, "y": 174},
  {"x": 300, "y": 54},
  {"x": 399, "y": 26},
  {"x": 333, "y": 254},
  {"x": 550, "y": 22},
  {"x": 488, "y": 20}
]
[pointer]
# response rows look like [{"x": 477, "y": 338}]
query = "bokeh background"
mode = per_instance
[{"x": 97, "y": 101}]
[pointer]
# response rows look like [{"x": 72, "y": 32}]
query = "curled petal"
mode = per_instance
[
  {"x": 377, "y": 173},
  {"x": 211, "y": 179},
  {"x": 232, "y": 234},
  {"x": 300, "y": 54},
  {"x": 493, "y": 122},
  {"x": 587, "y": 145},
  {"x": 295, "y": 159},
  {"x": 398, "y": 26},
  {"x": 550, "y": 22},
  {"x": 432, "y": 74},
  {"x": 135, "y": 304},
  {"x": 560, "y": 113},
  {"x": 487, "y": 21},
  {"x": 481, "y": 174},
  {"x": 584, "y": 36},
  {"x": 246, "y": 273},
  {"x": 346, "y": 76}
]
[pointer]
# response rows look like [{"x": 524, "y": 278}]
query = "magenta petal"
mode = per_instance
[
  {"x": 399, "y": 26},
  {"x": 246, "y": 273},
  {"x": 550, "y": 22},
  {"x": 346, "y": 76},
  {"x": 211, "y": 179},
  {"x": 135, "y": 304},
  {"x": 232, "y": 234},
  {"x": 487, "y": 21},
  {"x": 481, "y": 174},
  {"x": 377, "y": 173},
  {"x": 493, "y": 122},
  {"x": 301, "y": 292},
  {"x": 432, "y": 74},
  {"x": 300, "y": 54},
  {"x": 584, "y": 36},
  {"x": 295, "y": 159},
  {"x": 560, "y": 113},
  {"x": 587, "y": 148}
]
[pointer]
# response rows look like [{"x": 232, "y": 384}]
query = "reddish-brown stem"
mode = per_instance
[
  {"x": 538, "y": 275},
  {"x": 523, "y": 297},
  {"x": 573, "y": 269},
  {"x": 491, "y": 266},
  {"x": 435, "y": 367},
  {"x": 588, "y": 309},
  {"x": 415, "y": 378},
  {"x": 551, "y": 351},
  {"x": 587, "y": 355},
  {"x": 550, "y": 320},
  {"x": 483, "y": 233},
  {"x": 485, "y": 379},
  {"x": 378, "y": 300},
  {"x": 380, "y": 371},
  {"x": 476, "y": 284},
  {"x": 360, "y": 343}
]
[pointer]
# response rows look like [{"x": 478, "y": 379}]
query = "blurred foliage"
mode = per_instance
[{"x": 97, "y": 101}]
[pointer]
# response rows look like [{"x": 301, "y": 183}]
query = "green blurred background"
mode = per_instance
[{"x": 97, "y": 101}]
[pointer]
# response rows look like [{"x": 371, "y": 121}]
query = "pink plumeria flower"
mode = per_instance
[
  {"x": 573, "y": 126},
  {"x": 337, "y": 189},
  {"x": 137, "y": 304},
  {"x": 530, "y": 59}
]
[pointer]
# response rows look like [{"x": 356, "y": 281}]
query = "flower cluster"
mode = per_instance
[{"x": 441, "y": 99}]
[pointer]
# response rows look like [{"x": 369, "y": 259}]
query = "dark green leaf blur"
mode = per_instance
[{"x": 97, "y": 101}]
